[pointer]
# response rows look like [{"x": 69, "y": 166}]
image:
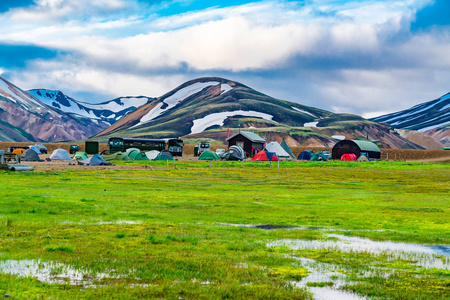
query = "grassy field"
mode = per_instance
[{"x": 190, "y": 232}]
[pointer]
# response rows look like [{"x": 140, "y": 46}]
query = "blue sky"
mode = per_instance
[{"x": 364, "y": 57}]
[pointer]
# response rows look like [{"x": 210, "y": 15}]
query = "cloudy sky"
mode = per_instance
[{"x": 364, "y": 57}]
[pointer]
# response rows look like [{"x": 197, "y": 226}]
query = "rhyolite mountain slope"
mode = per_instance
[
  {"x": 108, "y": 112},
  {"x": 431, "y": 118},
  {"x": 25, "y": 118},
  {"x": 207, "y": 107}
]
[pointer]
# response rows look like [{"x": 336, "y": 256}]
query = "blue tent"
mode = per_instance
[{"x": 305, "y": 155}]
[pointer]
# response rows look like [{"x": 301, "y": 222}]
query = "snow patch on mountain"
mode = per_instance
[
  {"x": 303, "y": 111},
  {"x": 310, "y": 124},
  {"x": 219, "y": 118},
  {"x": 178, "y": 97}
]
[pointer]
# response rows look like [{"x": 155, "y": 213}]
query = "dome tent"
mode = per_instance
[
  {"x": 60, "y": 154},
  {"x": 234, "y": 153},
  {"x": 151, "y": 155},
  {"x": 348, "y": 157},
  {"x": 95, "y": 160},
  {"x": 265, "y": 155},
  {"x": 115, "y": 156},
  {"x": 30, "y": 155},
  {"x": 209, "y": 155},
  {"x": 163, "y": 157},
  {"x": 305, "y": 155},
  {"x": 80, "y": 155},
  {"x": 287, "y": 149},
  {"x": 136, "y": 154},
  {"x": 318, "y": 156}
]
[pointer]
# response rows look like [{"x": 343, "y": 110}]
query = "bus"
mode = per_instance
[{"x": 118, "y": 144}]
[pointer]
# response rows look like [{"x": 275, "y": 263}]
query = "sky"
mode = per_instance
[{"x": 347, "y": 56}]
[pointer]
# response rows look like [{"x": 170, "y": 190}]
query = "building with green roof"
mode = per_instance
[
  {"x": 249, "y": 141},
  {"x": 356, "y": 147}
]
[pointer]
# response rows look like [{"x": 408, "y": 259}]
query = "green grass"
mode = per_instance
[{"x": 157, "y": 232}]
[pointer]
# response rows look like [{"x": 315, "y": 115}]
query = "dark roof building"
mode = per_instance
[
  {"x": 356, "y": 147},
  {"x": 249, "y": 141}
]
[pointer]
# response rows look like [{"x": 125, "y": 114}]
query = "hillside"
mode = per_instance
[
  {"x": 108, "y": 112},
  {"x": 205, "y": 108},
  {"x": 423, "y": 117},
  {"x": 25, "y": 118}
]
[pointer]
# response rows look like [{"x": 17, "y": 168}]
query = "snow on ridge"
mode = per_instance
[
  {"x": 219, "y": 118},
  {"x": 310, "y": 124},
  {"x": 15, "y": 94},
  {"x": 178, "y": 97},
  {"x": 116, "y": 107},
  {"x": 303, "y": 111}
]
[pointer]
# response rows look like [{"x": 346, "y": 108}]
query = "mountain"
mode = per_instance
[
  {"x": 108, "y": 112},
  {"x": 423, "y": 117},
  {"x": 204, "y": 108},
  {"x": 431, "y": 118},
  {"x": 26, "y": 118}
]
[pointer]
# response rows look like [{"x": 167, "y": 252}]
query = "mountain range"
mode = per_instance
[{"x": 204, "y": 108}]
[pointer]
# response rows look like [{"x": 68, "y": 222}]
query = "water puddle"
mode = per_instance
[
  {"x": 50, "y": 272},
  {"x": 425, "y": 256},
  {"x": 118, "y": 222},
  {"x": 269, "y": 226}
]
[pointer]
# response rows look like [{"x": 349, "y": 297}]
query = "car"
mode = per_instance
[
  {"x": 220, "y": 151},
  {"x": 327, "y": 154}
]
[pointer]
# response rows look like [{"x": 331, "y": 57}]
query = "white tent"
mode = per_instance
[
  {"x": 60, "y": 154},
  {"x": 279, "y": 151},
  {"x": 151, "y": 155}
]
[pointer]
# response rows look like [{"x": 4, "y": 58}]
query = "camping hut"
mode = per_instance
[
  {"x": 249, "y": 141},
  {"x": 30, "y": 155},
  {"x": 278, "y": 150},
  {"x": 287, "y": 149},
  {"x": 265, "y": 155},
  {"x": 208, "y": 155},
  {"x": 356, "y": 147},
  {"x": 305, "y": 155},
  {"x": 60, "y": 154}
]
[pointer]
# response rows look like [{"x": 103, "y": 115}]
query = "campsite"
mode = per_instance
[{"x": 202, "y": 229}]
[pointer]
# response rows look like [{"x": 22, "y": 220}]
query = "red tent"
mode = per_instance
[
  {"x": 264, "y": 155},
  {"x": 348, "y": 156}
]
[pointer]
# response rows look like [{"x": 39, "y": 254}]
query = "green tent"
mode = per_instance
[
  {"x": 164, "y": 157},
  {"x": 115, "y": 156},
  {"x": 136, "y": 154},
  {"x": 318, "y": 156},
  {"x": 80, "y": 155},
  {"x": 209, "y": 155},
  {"x": 286, "y": 148}
]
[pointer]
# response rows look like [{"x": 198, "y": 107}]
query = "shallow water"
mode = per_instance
[
  {"x": 426, "y": 256},
  {"x": 49, "y": 272}
]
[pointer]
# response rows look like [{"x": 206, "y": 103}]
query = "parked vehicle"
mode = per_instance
[
  {"x": 74, "y": 148},
  {"x": 203, "y": 146}
]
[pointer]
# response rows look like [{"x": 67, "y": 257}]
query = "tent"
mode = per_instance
[
  {"x": 362, "y": 158},
  {"x": 277, "y": 149},
  {"x": 115, "y": 156},
  {"x": 318, "y": 156},
  {"x": 19, "y": 151},
  {"x": 163, "y": 157},
  {"x": 136, "y": 154},
  {"x": 80, "y": 155},
  {"x": 30, "y": 155},
  {"x": 286, "y": 148},
  {"x": 265, "y": 155},
  {"x": 95, "y": 160},
  {"x": 36, "y": 149},
  {"x": 151, "y": 155},
  {"x": 209, "y": 155},
  {"x": 305, "y": 155},
  {"x": 234, "y": 153},
  {"x": 60, "y": 154},
  {"x": 166, "y": 152},
  {"x": 348, "y": 157}
]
